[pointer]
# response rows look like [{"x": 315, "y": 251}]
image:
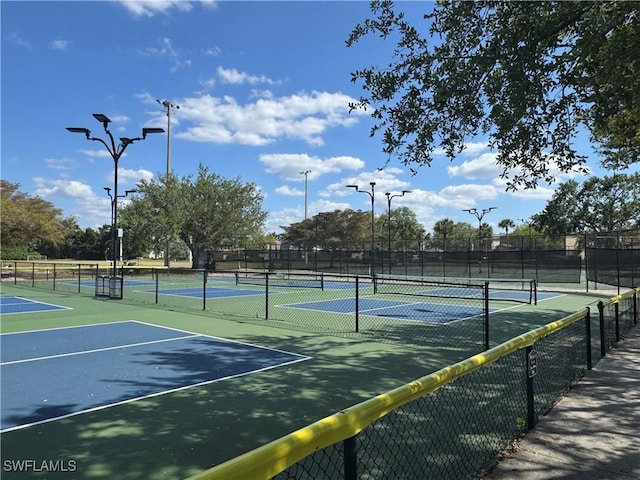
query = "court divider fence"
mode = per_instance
[
  {"x": 588, "y": 260},
  {"x": 450, "y": 424},
  {"x": 453, "y": 314}
]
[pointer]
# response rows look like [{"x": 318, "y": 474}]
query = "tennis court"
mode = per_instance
[
  {"x": 52, "y": 374},
  {"x": 155, "y": 393},
  {"x": 428, "y": 312},
  {"x": 12, "y": 305}
]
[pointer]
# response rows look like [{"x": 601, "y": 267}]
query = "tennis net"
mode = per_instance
[
  {"x": 509, "y": 290},
  {"x": 281, "y": 279}
]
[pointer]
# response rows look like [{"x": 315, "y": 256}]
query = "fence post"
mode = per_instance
[
  {"x": 350, "y": 458},
  {"x": 603, "y": 346},
  {"x": 486, "y": 315},
  {"x": 616, "y": 309},
  {"x": 588, "y": 339},
  {"x": 531, "y": 417}
]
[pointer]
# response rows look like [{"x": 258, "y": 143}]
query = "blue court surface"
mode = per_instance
[
  {"x": 51, "y": 374},
  {"x": 10, "y": 305},
  {"x": 426, "y": 312}
]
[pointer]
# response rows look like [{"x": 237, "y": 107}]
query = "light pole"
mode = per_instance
[
  {"x": 115, "y": 152},
  {"x": 479, "y": 215},
  {"x": 371, "y": 194},
  {"x": 168, "y": 106},
  {"x": 113, "y": 200},
  {"x": 389, "y": 197},
  {"x": 305, "y": 173}
]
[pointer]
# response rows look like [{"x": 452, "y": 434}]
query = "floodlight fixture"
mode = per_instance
[
  {"x": 102, "y": 118},
  {"x": 84, "y": 131},
  {"x": 115, "y": 152},
  {"x": 147, "y": 130}
]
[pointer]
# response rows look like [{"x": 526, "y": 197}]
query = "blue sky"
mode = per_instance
[{"x": 262, "y": 87}]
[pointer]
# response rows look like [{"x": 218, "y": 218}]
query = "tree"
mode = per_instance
[
  {"x": 451, "y": 236},
  {"x": 28, "y": 223},
  {"x": 506, "y": 223},
  {"x": 340, "y": 229},
  {"x": 528, "y": 74},
  {"x": 206, "y": 213},
  {"x": 404, "y": 228},
  {"x": 598, "y": 205}
]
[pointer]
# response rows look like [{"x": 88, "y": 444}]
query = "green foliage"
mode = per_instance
[
  {"x": 528, "y": 74},
  {"x": 29, "y": 222},
  {"x": 605, "y": 204},
  {"x": 205, "y": 213},
  {"x": 340, "y": 229},
  {"x": 15, "y": 252},
  {"x": 451, "y": 236},
  {"x": 404, "y": 226},
  {"x": 506, "y": 223}
]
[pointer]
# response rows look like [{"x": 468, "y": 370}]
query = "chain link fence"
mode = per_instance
[{"x": 448, "y": 425}]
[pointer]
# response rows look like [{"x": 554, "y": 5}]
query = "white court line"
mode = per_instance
[
  {"x": 105, "y": 349},
  {"x": 27, "y": 301},
  {"x": 69, "y": 326},
  {"x": 300, "y": 358},
  {"x": 144, "y": 397}
]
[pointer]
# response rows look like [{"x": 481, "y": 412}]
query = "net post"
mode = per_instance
[
  {"x": 486, "y": 314},
  {"x": 266, "y": 296},
  {"x": 534, "y": 291},
  {"x": 358, "y": 303},
  {"x": 205, "y": 274},
  {"x": 157, "y": 275}
]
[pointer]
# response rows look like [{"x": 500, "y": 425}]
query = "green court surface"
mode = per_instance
[{"x": 178, "y": 434}]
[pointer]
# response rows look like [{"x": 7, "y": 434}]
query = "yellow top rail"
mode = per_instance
[{"x": 273, "y": 458}]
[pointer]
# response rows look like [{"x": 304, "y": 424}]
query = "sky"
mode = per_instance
[{"x": 262, "y": 88}]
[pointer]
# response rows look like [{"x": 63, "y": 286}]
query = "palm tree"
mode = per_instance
[{"x": 507, "y": 223}]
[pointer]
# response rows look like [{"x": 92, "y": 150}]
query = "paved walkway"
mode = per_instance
[{"x": 593, "y": 432}]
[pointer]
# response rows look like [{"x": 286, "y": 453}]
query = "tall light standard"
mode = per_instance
[
  {"x": 115, "y": 152},
  {"x": 371, "y": 194},
  {"x": 168, "y": 106},
  {"x": 479, "y": 215},
  {"x": 389, "y": 197},
  {"x": 305, "y": 173},
  {"x": 113, "y": 201}
]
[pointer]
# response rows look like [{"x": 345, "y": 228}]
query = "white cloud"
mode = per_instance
[
  {"x": 303, "y": 116},
  {"x": 18, "y": 40},
  {"x": 289, "y": 165},
  {"x": 132, "y": 177},
  {"x": 483, "y": 166},
  {"x": 233, "y": 76},
  {"x": 467, "y": 196},
  {"x": 149, "y": 8},
  {"x": 60, "y": 44},
  {"x": 287, "y": 190},
  {"x": 46, "y": 187},
  {"x": 164, "y": 48},
  {"x": 60, "y": 163}
]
